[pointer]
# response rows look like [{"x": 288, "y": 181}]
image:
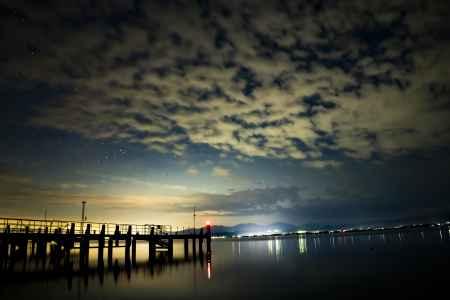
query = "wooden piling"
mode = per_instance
[
  {"x": 68, "y": 243},
  {"x": 42, "y": 243},
  {"x": 170, "y": 249},
  {"x": 117, "y": 235},
  {"x": 133, "y": 250},
  {"x": 84, "y": 246},
  {"x": 186, "y": 248},
  {"x": 194, "y": 246},
  {"x": 200, "y": 242},
  {"x": 101, "y": 244},
  {"x": 128, "y": 238},
  {"x": 128, "y": 245},
  {"x": 152, "y": 246},
  {"x": 24, "y": 243},
  {"x": 110, "y": 251}
]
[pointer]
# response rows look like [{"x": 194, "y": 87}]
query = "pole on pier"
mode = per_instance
[
  {"x": 194, "y": 221},
  {"x": 83, "y": 214}
]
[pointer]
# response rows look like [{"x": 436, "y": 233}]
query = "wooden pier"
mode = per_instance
[{"x": 39, "y": 238}]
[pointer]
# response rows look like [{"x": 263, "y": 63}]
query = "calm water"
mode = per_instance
[{"x": 407, "y": 263}]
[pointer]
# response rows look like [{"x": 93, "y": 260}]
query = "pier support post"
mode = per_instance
[
  {"x": 128, "y": 245},
  {"x": 170, "y": 249},
  {"x": 12, "y": 249},
  {"x": 33, "y": 247},
  {"x": 194, "y": 246},
  {"x": 133, "y": 250},
  {"x": 200, "y": 243},
  {"x": 152, "y": 246},
  {"x": 208, "y": 239},
  {"x": 68, "y": 244},
  {"x": 117, "y": 235},
  {"x": 85, "y": 241},
  {"x": 186, "y": 248},
  {"x": 110, "y": 251},
  {"x": 101, "y": 246},
  {"x": 24, "y": 243},
  {"x": 42, "y": 243}
]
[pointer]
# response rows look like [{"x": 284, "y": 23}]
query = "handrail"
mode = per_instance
[{"x": 38, "y": 225}]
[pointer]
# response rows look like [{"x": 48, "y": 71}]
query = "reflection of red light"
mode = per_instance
[{"x": 209, "y": 270}]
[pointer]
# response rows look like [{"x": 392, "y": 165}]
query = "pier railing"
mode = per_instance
[{"x": 16, "y": 225}]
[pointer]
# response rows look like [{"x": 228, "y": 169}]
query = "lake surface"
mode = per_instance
[{"x": 408, "y": 263}]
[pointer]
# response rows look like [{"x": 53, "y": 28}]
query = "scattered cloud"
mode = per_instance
[
  {"x": 320, "y": 164},
  {"x": 220, "y": 172},
  {"x": 71, "y": 186},
  {"x": 8, "y": 175},
  {"x": 351, "y": 83},
  {"x": 192, "y": 171}
]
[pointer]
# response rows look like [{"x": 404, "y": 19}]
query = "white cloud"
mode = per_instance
[
  {"x": 320, "y": 164},
  {"x": 220, "y": 172},
  {"x": 192, "y": 171}
]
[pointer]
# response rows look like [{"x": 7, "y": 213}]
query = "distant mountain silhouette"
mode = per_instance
[{"x": 251, "y": 228}]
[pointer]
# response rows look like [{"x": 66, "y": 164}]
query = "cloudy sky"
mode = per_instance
[{"x": 324, "y": 112}]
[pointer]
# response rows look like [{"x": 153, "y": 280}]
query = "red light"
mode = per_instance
[{"x": 208, "y": 223}]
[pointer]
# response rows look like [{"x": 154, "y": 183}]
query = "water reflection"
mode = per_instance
[
  {"x": 273, "y": 268},
  {"x": 302, "y": 246},
  {"x": 32, "y": 268},
  {"x": 236, "y": 247},
  {"x": 209, "y": 270},
  {"x": 278, "y": 247},
  {"x": 270, "y": 247}
]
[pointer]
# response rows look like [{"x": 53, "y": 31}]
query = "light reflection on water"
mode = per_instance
[
  {"x": 302, "y": 246},
  {"x": 322, "y": 266}
]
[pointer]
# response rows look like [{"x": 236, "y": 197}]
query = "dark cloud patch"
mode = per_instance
[{"x": 330, "y": 206}]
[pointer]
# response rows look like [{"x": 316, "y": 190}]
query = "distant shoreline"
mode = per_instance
[{"x": 339, "y": 232}]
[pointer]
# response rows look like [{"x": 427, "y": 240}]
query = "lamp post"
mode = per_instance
[
  {"x": 83, "y": 214},
  {"x": 194, "y": 219}
]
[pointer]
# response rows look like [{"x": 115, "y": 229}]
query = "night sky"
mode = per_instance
[{"x": 307, "y": 112}]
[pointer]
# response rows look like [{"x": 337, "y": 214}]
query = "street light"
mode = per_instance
[{"x": 83, "y": 214}]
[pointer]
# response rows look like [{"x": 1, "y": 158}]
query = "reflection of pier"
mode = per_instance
[
  {"x": 87, "y": 273},
  {"x": 23, "y": 237}
]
